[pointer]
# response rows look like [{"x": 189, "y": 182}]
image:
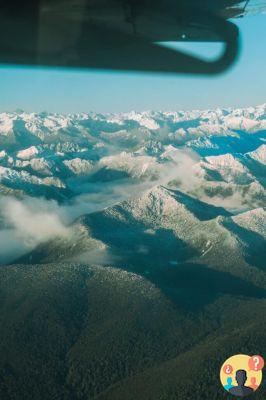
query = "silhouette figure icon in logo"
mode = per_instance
[
  {"x": 241, "y": 390},
  {"x": 229, "y": 384},
  {"x": 253, "y": 383}
]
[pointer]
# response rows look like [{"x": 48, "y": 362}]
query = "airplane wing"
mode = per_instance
[{"x": 120, "y": 34}]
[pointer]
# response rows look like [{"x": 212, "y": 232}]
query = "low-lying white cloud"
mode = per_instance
[{"x": 27, "y": 223}]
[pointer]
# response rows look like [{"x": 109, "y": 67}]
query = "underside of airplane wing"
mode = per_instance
[{"x": 120, "y": 34}]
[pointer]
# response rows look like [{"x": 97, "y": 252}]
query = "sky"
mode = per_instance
[{"x": 62, "y": 91}]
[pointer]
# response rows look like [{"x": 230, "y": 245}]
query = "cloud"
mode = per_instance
[
  {"x": 98, "y": 256},
  {"x": 181, "y": 168},
  {"x": 28, "y": 222}
]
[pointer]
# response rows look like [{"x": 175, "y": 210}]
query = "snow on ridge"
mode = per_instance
[
  {"x": 78, "y": 166},
  {"x": 226, "y": 161},
  {"x": 161, "y": 201},
  {"x": 128, "y": 162},
  {"x": 250, "y": 119},
  {"x": 157, "y": 201},
  {"x": 253, "y": 220},
  {"x": 144, "y": 119},
  {"x": 25, "y": 177},
  {"x": 259, "y": 154},
  {"x": 40, "y": 165},
  {"x": 28, "y": 153},
  {"x": 6, "y": 123}
]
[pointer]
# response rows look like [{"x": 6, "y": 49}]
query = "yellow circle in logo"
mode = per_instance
[{"x": 241, "y": 374}]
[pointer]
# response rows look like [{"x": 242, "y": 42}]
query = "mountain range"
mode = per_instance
[
  {"x": 132, "y": 252},
  {"x": 60, "y": 156}
]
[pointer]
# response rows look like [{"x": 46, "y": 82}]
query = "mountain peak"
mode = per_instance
[
  {"x": 259, "y": 154},
  {"x": 28, "y": 153},
  {"x": 252, "y": 220},
  {"x": 161, "y": 202}
]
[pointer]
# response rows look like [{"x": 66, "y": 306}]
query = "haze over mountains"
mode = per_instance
[{"x": 156, "y": 219}]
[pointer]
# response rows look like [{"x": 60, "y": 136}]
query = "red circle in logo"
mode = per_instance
[
  {"x": 256, "y": 363},
  {"x": 228, "y": 369}
]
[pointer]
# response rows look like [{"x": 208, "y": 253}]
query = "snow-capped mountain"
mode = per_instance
[
  {"x": 160, "y": 161},
  {"x": 259, "y": 154},
  {"x": 222, "y": 151},
  {"x": 162, "y": 228},
  {"x": 182, "y": 126}
]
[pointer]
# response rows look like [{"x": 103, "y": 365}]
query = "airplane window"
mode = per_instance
[{"x": 132, "y": 200}]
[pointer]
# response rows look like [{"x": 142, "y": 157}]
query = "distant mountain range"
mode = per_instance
[{"x": 60, "y": 156}]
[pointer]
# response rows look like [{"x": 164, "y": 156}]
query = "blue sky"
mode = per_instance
[{"x": 75, "y": 91}]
